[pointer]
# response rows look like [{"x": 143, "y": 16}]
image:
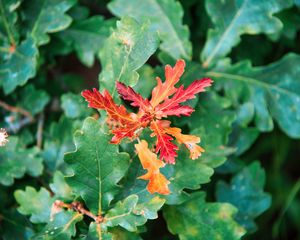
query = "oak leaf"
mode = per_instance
[
  {"x": 157, "y": 181},
  {"x": 190, "y": 141},
  {"x": 165, "y": 89},
  {"x": 171, "y": 106},
  {"x": 164, "y": 143}
]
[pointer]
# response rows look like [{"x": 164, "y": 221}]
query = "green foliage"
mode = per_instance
[
  {"x": 232, "y": 19},
  {"x": 36, "y": 204},
  {"x": 46, "y": 17},
  {"x": 62, "y": 227},
  {"x": 202, "y": 220},
  {"x": 87, "y": 37},
  {"x": 58, "y": 141},
  {"x": 19, "y": 66},
  {"x": 74, "y": 106},
  {"x": 272, "y": 90},
  {"x": 55, "y": 184},
  {"x": 16, "y": 160},
  {"x": 213, "y": 130},
  {"x": 166, "y": 19},
  {"x": 125, "y": 51},
  {"x": 33, "y": 100},
  {"x": 95, "y": 179},
  {"x": 246, "y": 193}
]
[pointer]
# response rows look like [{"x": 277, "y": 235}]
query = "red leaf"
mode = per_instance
[
  {"x": 164, "y": 145},
  {"x": 98, "y": 101},
  {"x": 183, "y": 95},
  {"x": 127, "y": 93},
  {"x": 122, "y": 132},
  {"x": 157, "y": 181},
  {"x": 163, "y": 90},
  {"x": 176, "y": 111}
]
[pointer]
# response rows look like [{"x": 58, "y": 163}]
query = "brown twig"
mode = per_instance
[
  {"x": 16, "y": 110},
  {"x": 39, "y": 135},
  {"x": 78, "y": 207}
]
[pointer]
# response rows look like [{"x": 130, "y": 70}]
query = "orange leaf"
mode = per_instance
[
  {"x": 163, "y": 90},
  {"x": 105, "y": 101},
  {"x": 190, "y": 141},
  {"x": 123, "y": 124},
  {"x": 157, "y": 181}
]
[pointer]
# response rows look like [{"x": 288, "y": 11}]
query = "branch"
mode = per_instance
[
  {"x": 78, "y": 207},
  {"x": 16, "y": 110}
]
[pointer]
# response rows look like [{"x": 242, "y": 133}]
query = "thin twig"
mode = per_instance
[
  {"x": 39, "y": 135},
  {"x": 16, "y": 110},
  {"x": 78, "y": 207}
]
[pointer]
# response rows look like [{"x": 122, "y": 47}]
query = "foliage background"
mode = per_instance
[{"x": 249, "y": 48}]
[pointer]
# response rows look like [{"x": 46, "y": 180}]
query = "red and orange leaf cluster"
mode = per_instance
[{"x": 166, "y": 100}]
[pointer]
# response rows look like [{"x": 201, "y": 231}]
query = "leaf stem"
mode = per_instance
[{"x": 117, "y": 216}]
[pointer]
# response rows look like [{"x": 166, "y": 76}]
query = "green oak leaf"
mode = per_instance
[
  {"x": 19, "y": 66},
  {"x": 233, "y": 18},
  {"x": 36, "y": 204},
  {"x": 33, "y": 100},
  {"x": 130, "y": 214},
  {"x": 146, "y": 81},
  {"x": 272, "y": 89},
  {"x": 245, "y": 114},
  {"x": 242, "y": 138},
  {"x": 62, "y": 227},
  {"x": 15, "y": 226},
  {"x": 245, "y": 192},
  {"x": 185, "y": 174},
  {"x": 87, "y": 37},
  {"x": 212, "y": 122},
  {"x": 79, "y": 12},
  {"x": 46, "y": 16},
  {"x": 291, "y": 24},
  {"x": 122, "y": 215},
  {"x": 197, "y": 219},
  {"x": 125, "y": 51},
  {"x": 148, "y": 209},
  {"x": 60, "y": 188},
  {"x": 165, "y": 17},
  {"x": 119, "y": 233},
  {"x": 57, "y": 141},
  {"x": 97, "y": 166},
  {"x": 74, "y": 106},
  {"x": 96, "y": 233},
  {"x": 8, "y": 18},
  {"x": 16, "y": 160}
]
